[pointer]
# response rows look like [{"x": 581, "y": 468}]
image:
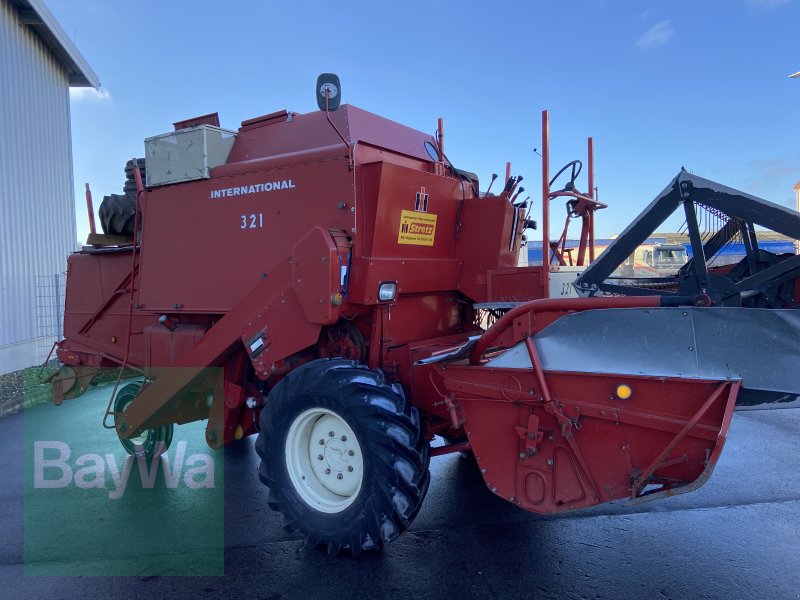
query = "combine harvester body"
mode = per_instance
[{"x": 322, "y": 285}]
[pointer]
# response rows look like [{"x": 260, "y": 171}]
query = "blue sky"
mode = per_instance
[{"x": 659, "y": 85}]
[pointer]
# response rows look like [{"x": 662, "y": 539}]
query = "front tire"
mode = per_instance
[{"x": 343, "y": 455}]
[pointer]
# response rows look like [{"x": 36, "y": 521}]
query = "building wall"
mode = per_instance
[{"x": 37, "y": 208}]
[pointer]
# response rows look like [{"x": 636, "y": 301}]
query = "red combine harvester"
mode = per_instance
[{"x": 320, "y": 280}]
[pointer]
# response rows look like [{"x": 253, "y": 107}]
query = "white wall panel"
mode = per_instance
[{"x": 37, "y": 211}]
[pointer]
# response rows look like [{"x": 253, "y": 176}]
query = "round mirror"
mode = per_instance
[
  {"x": 432, "y": 151},
  {"x": 328, "y": 88}
]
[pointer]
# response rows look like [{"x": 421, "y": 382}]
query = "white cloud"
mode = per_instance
[
  {"x": 88, "y": 94},
  {"x": 767, "y": 3},
  {"x": 658, "y": 35}
]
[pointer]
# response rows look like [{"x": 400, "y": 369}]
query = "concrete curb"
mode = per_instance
[{"x": 10, "y": 406}]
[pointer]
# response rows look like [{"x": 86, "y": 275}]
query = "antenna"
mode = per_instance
[{"x": 494, "y": 176}]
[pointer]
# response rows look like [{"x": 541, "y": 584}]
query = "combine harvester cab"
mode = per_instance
[{"x": 334, "y": 295}]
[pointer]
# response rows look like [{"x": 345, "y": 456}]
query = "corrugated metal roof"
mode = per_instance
[{"x": 36, "y": 15}]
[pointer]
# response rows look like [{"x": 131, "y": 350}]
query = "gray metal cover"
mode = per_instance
[
  {"x": 759, "y": 346},
  {"x": 186, "y": 154}
]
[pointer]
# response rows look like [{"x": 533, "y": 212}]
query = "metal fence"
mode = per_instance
[{"x": 50, "y": 291}]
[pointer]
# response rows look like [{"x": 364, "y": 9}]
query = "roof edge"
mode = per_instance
[{"x": 36, "y": 15}]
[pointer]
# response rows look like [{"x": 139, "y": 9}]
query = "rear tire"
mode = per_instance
[{"x": 373, "y": 475}]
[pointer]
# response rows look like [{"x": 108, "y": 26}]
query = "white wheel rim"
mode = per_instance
[
  {"x": 324, "y": 460},
  {"x": 140, "y": 440}
]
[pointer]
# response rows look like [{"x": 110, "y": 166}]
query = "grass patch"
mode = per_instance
[{"x": 35, "y": 392}]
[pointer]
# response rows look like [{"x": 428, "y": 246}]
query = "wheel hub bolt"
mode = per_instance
[
  {"x": 322, "y": 442},
  {"x": 344, "y": 438},
  {"x": 339, "y": 476},
  {"x": 351, "y": 453},
  {"x": 331, "y": 434},
  {"x": 327, "y": 471},
  {"x": 319, "y": 457},
  {"x": 349, "y": 468}
]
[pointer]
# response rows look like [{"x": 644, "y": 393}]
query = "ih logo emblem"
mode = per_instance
[
  {"x": 417, "y": 227},
  {"x": 421, "y": 204}
]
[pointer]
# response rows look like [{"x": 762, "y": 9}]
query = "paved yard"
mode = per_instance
[{"x": 738, "y": 537}]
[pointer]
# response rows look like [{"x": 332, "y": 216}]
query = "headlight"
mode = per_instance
[{"x": 387, "y": 291}]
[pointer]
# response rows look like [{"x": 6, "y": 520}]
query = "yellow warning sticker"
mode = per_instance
[{"x": 418, "y": 228}]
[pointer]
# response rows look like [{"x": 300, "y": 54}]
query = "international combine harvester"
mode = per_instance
[{"x": 331, "y": 282}]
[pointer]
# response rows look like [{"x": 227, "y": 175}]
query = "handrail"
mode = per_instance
[{"x": 555, "y": 305}]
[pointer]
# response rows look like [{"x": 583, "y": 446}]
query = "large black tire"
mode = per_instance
[
  {"x": 393, "y": 465},
  {"x": 151, "y": 442},
  {"x": 118, "y": 214}
]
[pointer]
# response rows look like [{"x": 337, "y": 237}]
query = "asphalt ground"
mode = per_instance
[{"x": 737, "y": 537}]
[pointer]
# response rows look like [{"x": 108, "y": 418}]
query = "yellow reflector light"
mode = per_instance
[{"x": 624, "y": 392}]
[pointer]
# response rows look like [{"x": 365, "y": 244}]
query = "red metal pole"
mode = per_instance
[
  {"x": 558, "y": 305},
  {"x": 450, "y": 448},
  {"x": 546, "y": 203},
  {"x": 591, "y": 169},
  {"x": 441, "y": 138},
  {"x": 585, "y": 228},
  {"x": 591, "y": 195},
  {"x": 508, "y": 172},
  {"x": 90, "y": 209}
]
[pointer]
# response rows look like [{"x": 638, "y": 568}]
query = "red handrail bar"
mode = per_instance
[{"x": 555, "y": 305}]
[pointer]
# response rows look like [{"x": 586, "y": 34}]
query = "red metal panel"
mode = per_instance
[
  {"x": 381, "y": 132},
  {"x": 203, "y": 254},
  {"x": 483, "y": 243},
  {"x": 163, "y": 346},
  {"x": 422, "y": 317},
  {"x": 311, "y": 130},
  {"x": 398, "y": 190},
  {"x": 610, "y": 444},
  {"x": 270, "y": 313},
  {"x": 412, "y": 276},
  {"x": 315, "y": 276},
  {"x": 269, "y": 119},
  {"x": 86, "y": 331},
  {"x": 209, "y": 119},
  {"x": 264, "y": 138},
  {"x": 514, "y": 285}
]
